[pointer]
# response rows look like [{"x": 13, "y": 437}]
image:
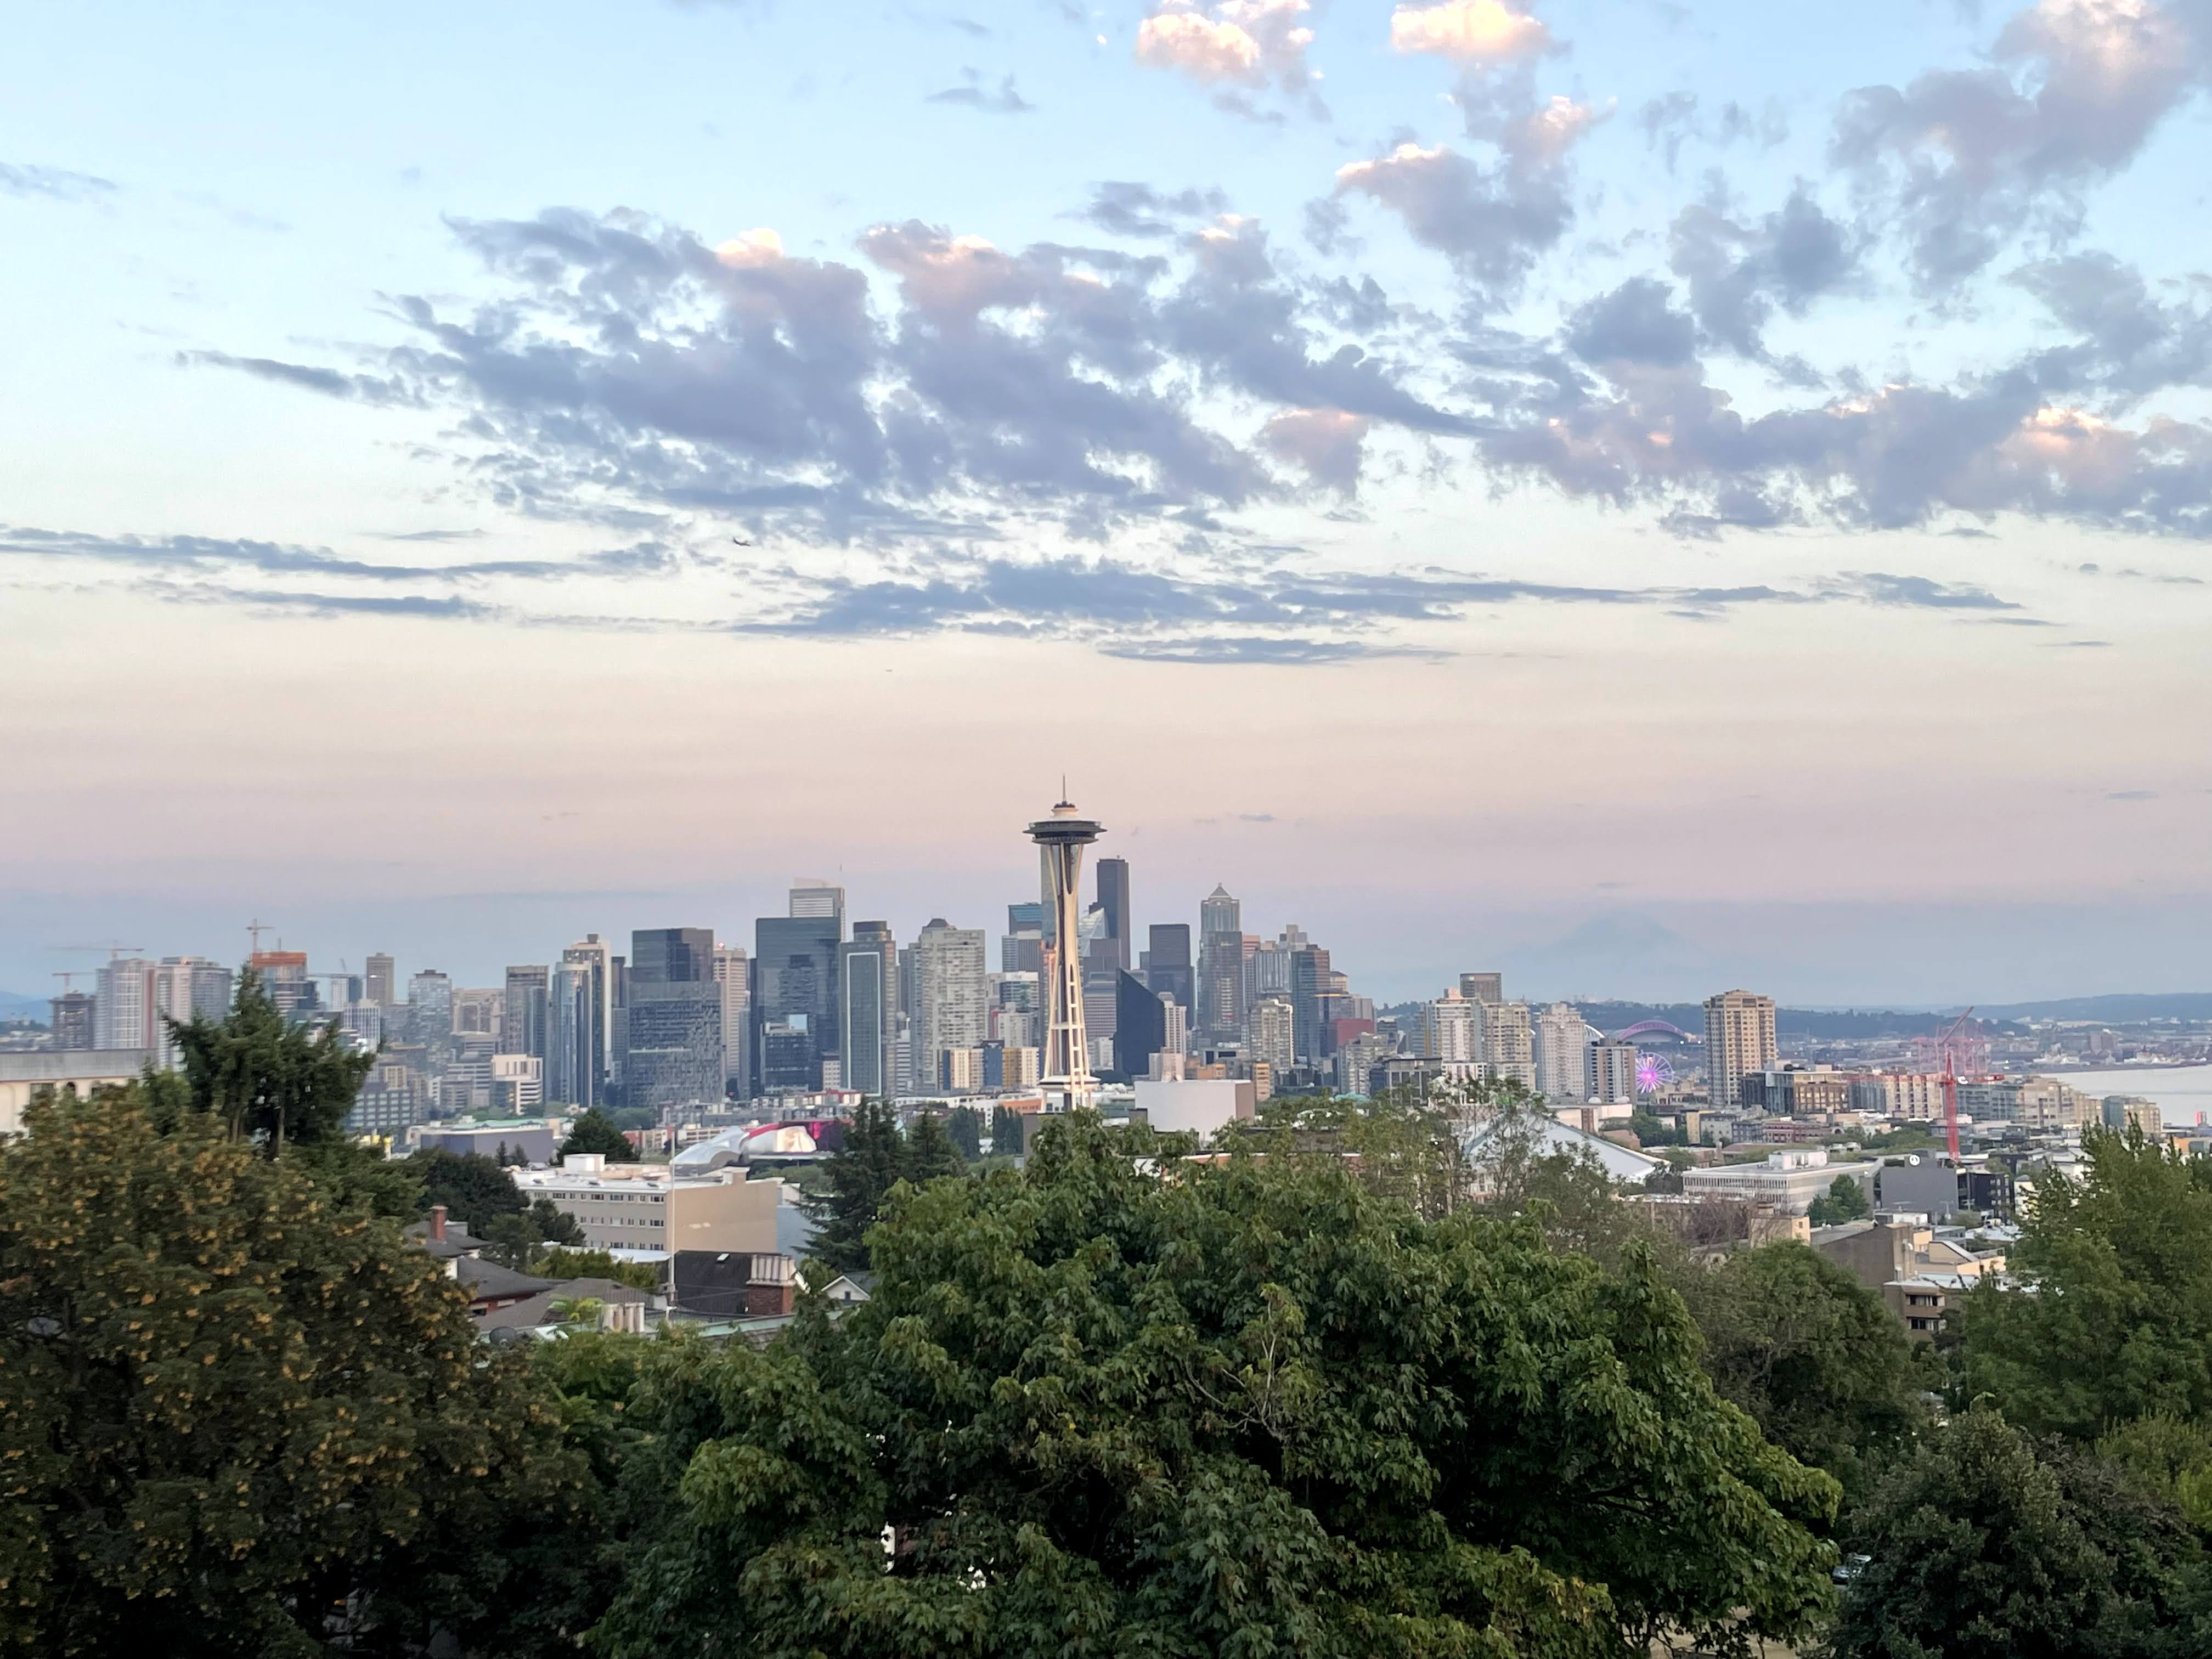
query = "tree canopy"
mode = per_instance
[
  {"x": 237, "y": 1418},
  {"x": 593, "y": 1130},
  {"x": 266, "y": 1079},
  {"x": 474, "y": 1189},
  {"x": 1246, "y": 1409},
  {"x": 1982, "y": 1545},
  {"x": 874, "y": 1159},
  {"x": 2114, "y": 1321},
  {"x": 1844, "y": 1201}
]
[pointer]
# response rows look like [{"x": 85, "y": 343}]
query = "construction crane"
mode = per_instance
[
  {"x": 113, "y": 947},
  {"x": 255, "y": 929},
  {"x": 69, "y": 976},
  {"x": 1948, "y": 1048}
]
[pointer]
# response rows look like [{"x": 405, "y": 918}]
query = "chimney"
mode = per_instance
[{"x": 437, "y": 1223}]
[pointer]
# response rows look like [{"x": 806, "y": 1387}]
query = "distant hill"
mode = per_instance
[
  {"x": 15, "y": 1007},
  {"x": 2119, "y": 1009}
]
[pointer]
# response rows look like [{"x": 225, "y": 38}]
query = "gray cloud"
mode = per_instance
[
  {"x": 1679, "y": 118},
  {"x": 1961, "y": 160},
  {"x": 1127, "y": 208},
  {"x": 1001, "y": 99},
  {"x": 57, "y": 184},
  {"x": 208, "y": 554},
  {"x": 1739, "y": 274}
]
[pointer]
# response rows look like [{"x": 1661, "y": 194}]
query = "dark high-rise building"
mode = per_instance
[
  {"x": 1113, "y": 900},
  {"x": 867, "y": 1009},
  {"x": 579, "y": 1024},
  {"x": 675, "y": 1019},
  {"x": 1140, "y": 1026},
  {"x": 1311, "y": 986},
  {"x": 522, "y": 1020},
  {"x": 72, "y": 1023},
  {"x": 1167, "y": 962},
  {"x": 1220, "y": 990},
  {"x": 795, "y": 1000},
  {"x": 1021, "y": 950}
]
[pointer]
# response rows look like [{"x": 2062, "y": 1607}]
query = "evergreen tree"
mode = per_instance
[
  {"x": 237, "y": 1419},
  {"x": 266, "y": 1078},
  {"x": 930, "y": 1154},
  {"x": 595, "y": 1131},
  {"x": 474, "y": 1189},
  {"x": 1844, "y": 1201},
  {"x": 1005, "y": 1132},
  {"x": 868, "y": 1164},
  {"x": 965, "y": 1127}
]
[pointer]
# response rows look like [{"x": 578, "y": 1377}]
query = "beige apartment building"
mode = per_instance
[
  {"x": 645, "y": 1206},
  {"x": 1738, "y": 1040}
]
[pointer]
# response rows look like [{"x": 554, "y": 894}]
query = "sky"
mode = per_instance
[{"x": 1649, "y": 497}]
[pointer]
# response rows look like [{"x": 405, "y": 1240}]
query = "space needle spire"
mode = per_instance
[{"x": 1061, "y": 839}]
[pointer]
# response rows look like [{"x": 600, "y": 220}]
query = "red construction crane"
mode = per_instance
[{"x": 1948, "y": 1047}]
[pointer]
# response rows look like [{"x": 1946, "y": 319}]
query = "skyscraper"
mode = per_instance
[
  {"x": 1061, "y": 839},
  {"x": 818, "y": 900},
  {"x": 429, "y": 1007},
  {"x": 1140, "y": 1026},
  {"x": 123, "y": 1009},
  {"x": 1482, "y": 988},
  {"x": 867, "y": 1009},
  {"x": 181, "y": 988},
  {"x": 380, "y": 980},
  {"x": 1113, "y": 900},
  {"x": 1221, "y": 1003},
  {"x": 74, "y": 1016},
  {"x": 1273, "y": 1038},
  {"x": 1610, "y": 1072},
  {"x": 285, "y": 981},
  {"x": 1738, "y": 1041},
  {"x": 522, "y": 1021},
  {"x": 1453, "y": 1029},
  {"x": 1562, "y": 1054},
  {"x": 951, "y": 996},
  {"x": 1509, "y": 1044},
  {"x": 733, "y": 973},
  {"x": 1021, "y": 950},
  {"x": 579, "y": 1077},
  {"x": 675, "y": 1020},
  {"x": 1167, "y": 964},
  {"x": 795, "y": 997},
  {"x": 1310, "y": 983}
]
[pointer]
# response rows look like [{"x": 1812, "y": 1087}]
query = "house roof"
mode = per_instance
[
  {"x": 1620, "y": 1163},
  {"x": 457, "y": 1241},
  {"x": 535, "y": 1310},
  {"x": 488, "y": 1280}
]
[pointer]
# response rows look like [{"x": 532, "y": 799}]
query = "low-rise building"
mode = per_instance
[
  {"x": 1788, "y": 1180},
  {"x": 648, "y": 1206},
  {"x": 1918, "y": 1272},
  {"x": 23, "y": 1075}
]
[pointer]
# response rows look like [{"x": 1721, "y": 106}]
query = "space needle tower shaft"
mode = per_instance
[{"x": 1066, "y": 1064}]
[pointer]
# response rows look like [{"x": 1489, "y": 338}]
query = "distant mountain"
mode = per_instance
[
  {"x": 2120, "y": 1009},
  {"x": 15, "y": 1007}
]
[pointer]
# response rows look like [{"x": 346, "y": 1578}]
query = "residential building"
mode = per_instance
[
  {"x": 2039, "y": 1103},
  {"x": 123, "y": 1009},
  {"x": 1919, "y": 1271},
  {"x": 1451, "y": 1028},
  {"x": 182, "y": 989},
  {"x": 394, "y": 1097},
  {"x": 867, "y": 1011},
  {"x": 522, "y": 1021},
  {"x": 1560, "y": 1039},
  {"x": 1610, "y": 1072},
  {"x": 518, "y": 1085},
  {"x": 2132, "y": 1112},
  {"x": 1738, "y": 1041},
  {"x": 1509, "y": 1044},
  {"x": 1356, "y": 1060},
  {"x": 1273, "y": 1041},
  {"x": 950, "y": 1003}
]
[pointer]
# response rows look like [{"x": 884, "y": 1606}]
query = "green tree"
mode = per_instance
[
  {"x": 266, "y": 1078},
  {"x": 516, "y": 1239},
  {"x": 858, "y": 1175},
  {"x": 236, "y": 1419},
  {"x": 1844, "y": 1201},
  {"x": 2169, "y": 1458},
  {"x": 474, "y": 1188},
  {"x": 1981, "y": 1545},
  {"x": 595, "y": 1131},
  {"x": 1005, "y": 1132},
  {"x": 930, "y": 1154},
  {"x": 2111, "y": 1319},
  {"x": 1824, "y": 1369},
  {"x": 965, "y": 1127},
  {"x": 1251, "y": 1409},
  {"x": 561, "y": 1261}
]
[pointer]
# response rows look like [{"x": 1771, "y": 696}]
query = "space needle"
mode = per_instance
[{"x": 1067, "y": 1080}]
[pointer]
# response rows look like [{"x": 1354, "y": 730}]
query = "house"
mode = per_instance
[{"x": 622, "y": 1307}]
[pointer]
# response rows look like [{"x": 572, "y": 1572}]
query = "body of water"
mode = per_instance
[{"x": 2184, "y": 1093}]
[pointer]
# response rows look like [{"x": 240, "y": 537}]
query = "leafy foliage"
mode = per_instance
[
  {"x": 2169, "y": 1458},
  {"x": 236, "y": 1418},
  {"x": 965, "y": 1127},
  {"x": 1981, "y": 1545},
  {"x": 1822, "y": 1366},
  {"x": 1844, "y": 1201},
  {"x": 593, "y": 1130},
  {"x": 475, "y": 1190},
  {"x": 266, "y": 1078},
  {"x": 1250, "y": 1409},
  {"x": 515, "y": 1240},
  {"x": 857, "y": 1179},
  {"x": 2115, "y": 1320}
]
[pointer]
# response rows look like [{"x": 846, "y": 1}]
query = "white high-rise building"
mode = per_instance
[
  {"x": 1562, "y": 1043},
  {"x": 732, "y": 972},
  {"x": 1454, "y": 1028},
  {"x": 1273, "y": 1035},
  {"x": 1610, "y": 1073},
  {"x": 1508, "y": 1043},
  {"x": 951, "y": 1005},
  {"x": 1739, "y": 1041},
  {"x": 1068, "y": 1079},
  {"x": 182, "y": 987},
  {"x": 123, "y": 1018}
]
